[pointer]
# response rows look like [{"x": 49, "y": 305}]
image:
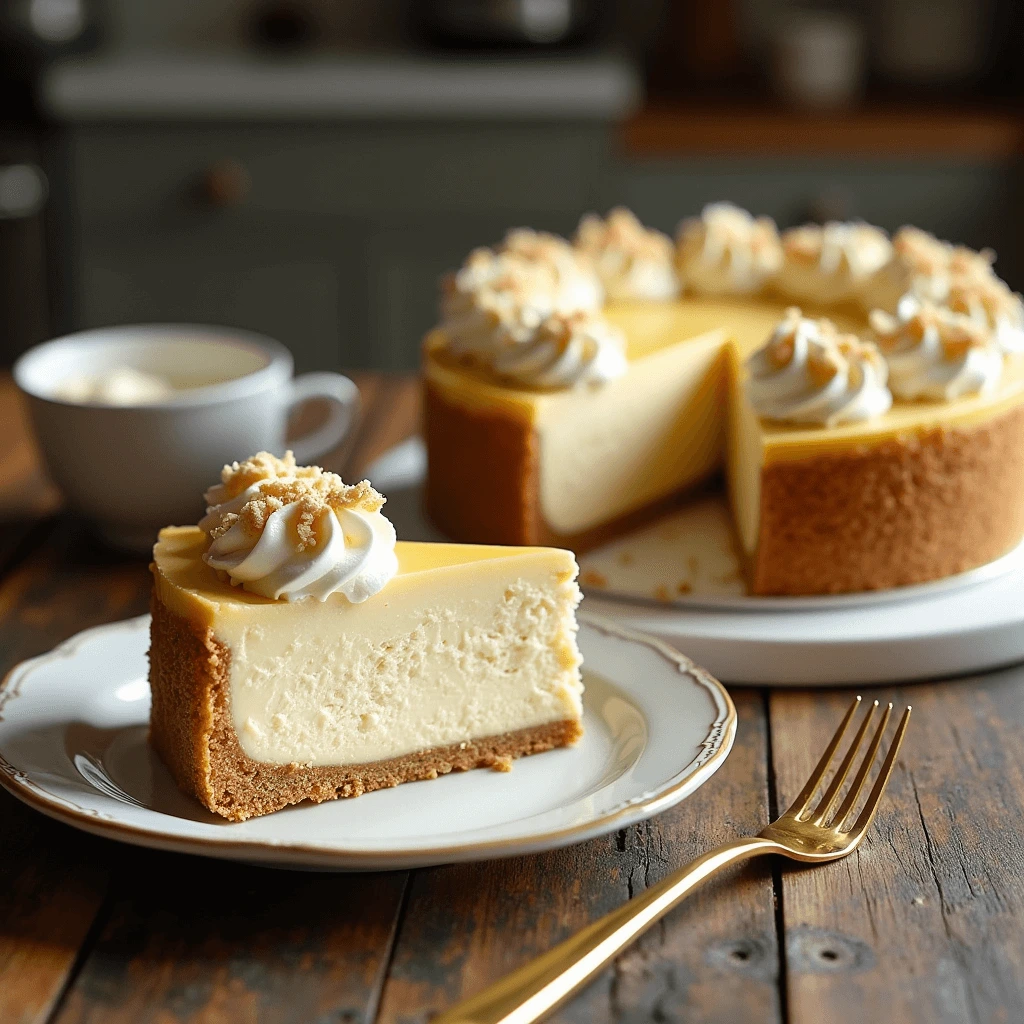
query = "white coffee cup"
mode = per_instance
[{"x": 132, "y": 469}]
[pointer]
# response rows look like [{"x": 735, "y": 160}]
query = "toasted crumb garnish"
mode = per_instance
[
  {"x": 956, "y": 333},
  {"x": 280, "y": 482}
]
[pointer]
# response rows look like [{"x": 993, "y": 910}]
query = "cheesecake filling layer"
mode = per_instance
[{"x": 450, "y": 651}]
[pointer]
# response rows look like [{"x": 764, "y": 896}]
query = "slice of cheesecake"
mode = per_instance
[{"x": 465, "y": 657}]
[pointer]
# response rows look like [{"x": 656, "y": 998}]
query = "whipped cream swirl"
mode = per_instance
[
  {"x": 830, "y": 263},
  {"x": 990, "y": 304},
  {"x": 809, "y": 373},
  {"x": 293, "y": 532},
  {"x": 934, "y": 353},
  {"x": 924, "y": 266},
  {"x": 726, "y": 251},
  {"x": 572, "y": 285},
  {"x": 633, "y": 262},
  {"x": 499, "y": 297},
  {"x": 493, "y": 301},
  {"x": 566, "y": 351}
]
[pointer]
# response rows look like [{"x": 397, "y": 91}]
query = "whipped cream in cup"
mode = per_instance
[
  {"x": 633, "y": 262},
  {"x": 826, "y": 264},
  {"x": 121, "y": 385},
  {"x": 726, "y": 251},
  {"x": 566, "y": 351},
  {"x": 934, "y": 353},
  {"x": 808, "y": 372},
  {"x": 130, "y": 462},
  {"x": 289, "y": 532}
]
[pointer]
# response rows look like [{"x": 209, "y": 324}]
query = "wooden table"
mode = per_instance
[{"x": 924, "y": 923}]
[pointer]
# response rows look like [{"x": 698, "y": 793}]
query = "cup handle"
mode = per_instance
[{"x": 344, "y": 405}]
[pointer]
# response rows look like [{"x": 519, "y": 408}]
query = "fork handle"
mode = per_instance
[{"x": 543, "y": 984}]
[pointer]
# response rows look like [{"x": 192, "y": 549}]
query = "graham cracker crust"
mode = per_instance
[
  {"x": 906, "y": 511},
  {"x": 192, "y": 731},
  {"x": 483, "y": 481}
]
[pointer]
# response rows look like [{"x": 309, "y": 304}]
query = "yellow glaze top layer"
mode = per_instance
[
  {"x": 188, "y": 586},
  {"x": 652, "y": 328}
]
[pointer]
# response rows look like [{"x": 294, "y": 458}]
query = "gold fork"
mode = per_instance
[{"x": 803, "y": 834}]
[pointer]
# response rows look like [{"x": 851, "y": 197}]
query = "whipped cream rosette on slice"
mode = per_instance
[
  {"x": 633, "y": 262},
  {"x": 935, "y": 353},
  {"x": 726, "y": 251},
  {"x": 566, "y": 351},
  {"x": 808, "y": 372},
  {"x": 830, "y": 263},
  {"x": 293, "y": 532}
]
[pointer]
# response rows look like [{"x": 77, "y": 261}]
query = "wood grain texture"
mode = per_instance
[
  {"x": 391, "y": 413},
  {"x": 52, "y": 883},
  {"x": 713, "y": 959},
  {"x": 721, "y": 129},
  {"x": 52, "y": 879},
  {"x": 195, "y": 941},
  {"x": 924, "y": 923}
]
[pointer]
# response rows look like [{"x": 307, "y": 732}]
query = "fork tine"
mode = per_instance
[
  {"x": 885, "y": 771},
  {"x": 865, "y": 769},
  {"x": 828, "y": 801},
  {"x": 799, "y": 805}
]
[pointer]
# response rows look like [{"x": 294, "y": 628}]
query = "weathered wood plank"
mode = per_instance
[
  {"x": 392, "y": 416},
  {"x": 925, "y": 922},
  {"x": 714, "y": 959},
  {"x": 51, "y": 885},
  {"x": 192, "y": 941},
  {"x": 26, "y": 492},
  {"x": 52, "y": 879}
]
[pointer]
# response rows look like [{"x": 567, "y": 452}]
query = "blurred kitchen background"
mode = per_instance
[{"x": 308, "y": 168}]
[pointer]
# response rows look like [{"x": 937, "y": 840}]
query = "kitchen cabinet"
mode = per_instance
[
  {"x": 330, "y": 238},
  {"x": 331, "y": 235}
]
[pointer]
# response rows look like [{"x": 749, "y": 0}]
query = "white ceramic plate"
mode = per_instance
[
  {"x": 73, "y": 744},
  {"x": 686, "y": 559}
]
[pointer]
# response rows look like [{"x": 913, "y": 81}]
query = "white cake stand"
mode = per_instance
[{"x": 966, "y": 624}]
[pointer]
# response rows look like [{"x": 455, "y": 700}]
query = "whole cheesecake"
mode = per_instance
[
  {"x": 299, "y": 653},
  {"x": 922, "y": 481}
]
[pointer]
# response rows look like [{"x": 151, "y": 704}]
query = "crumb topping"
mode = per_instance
[
  {"x": 956, "y": 333},
  {"x": 806, "y": 244},
  {"x": 829, "y": 353},
  {"x": 621, "y": 231},
  {"x": 537, "y": 246},
  {"x": 279, "y": 483},
  {"x": 988, "y": 294},
  {"x": 730, "y": 227},
  {"x": 927, "y": 255}
]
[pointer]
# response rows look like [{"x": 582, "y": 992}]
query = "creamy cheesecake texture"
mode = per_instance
[
  {"x": 464, "y": 643},
  {"x": 587, "y": 457},
  {"x": 888, "y": 452}
]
